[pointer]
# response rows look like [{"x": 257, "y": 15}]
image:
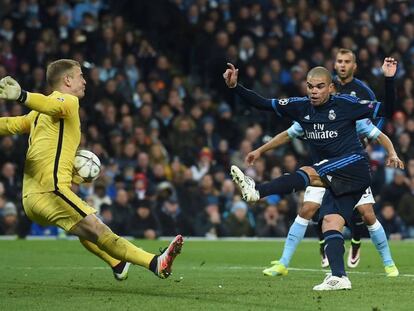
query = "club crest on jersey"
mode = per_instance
[
  {"x": 61, "y": 99},
  {"x": 331, "y": 115},
  {"x": 283, "y": 101}
]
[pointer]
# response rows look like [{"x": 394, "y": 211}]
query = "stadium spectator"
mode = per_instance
[
  {"x": 271, "y": 223},
  {"x": 393, "y": 192},
  {"x": 143, "y": 223},
  {"x": 173, "y": 220},
  {"x": 209, "y": 222},
  {"x": 237, "y": 222},
  {"x": 8, "y": 217},
  {"x": 393, "y": 225}
]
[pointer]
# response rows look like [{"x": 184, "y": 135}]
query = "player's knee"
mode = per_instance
[
  {"x": 332, "y": 222},
  {"x": 369, "y": 218},
  {"x": 89, "y": 228},
  {"x": 314, "y": 178},
  {"x": 308, "y": 210},
  {"x": 367, "y": 214}
]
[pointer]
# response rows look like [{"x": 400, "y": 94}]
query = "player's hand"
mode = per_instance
[
  {"x": 252, "y": 157},
  {"x": 389, "y": 67},
  {"x": 394, "y": 161},
  {"x": 230, "y": 76},
  {"x": 9, "y": 88}
]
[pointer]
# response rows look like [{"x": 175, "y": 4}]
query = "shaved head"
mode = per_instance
[
  {"x": 320, "y": 72},
  {"x": 319, "y": 85}
]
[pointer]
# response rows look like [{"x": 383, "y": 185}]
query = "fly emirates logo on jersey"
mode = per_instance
[{"x": 319, "y": 132}]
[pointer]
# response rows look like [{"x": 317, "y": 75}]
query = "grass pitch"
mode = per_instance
[{"x": 209, "y": 275}]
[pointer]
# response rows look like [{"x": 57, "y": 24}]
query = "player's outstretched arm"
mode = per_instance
[
  {"x": 231, "y": 77},
  {"x": 389, "y": 68},
  {"x": 11, "y": 90},
  {"x": 277, "y": 141},
  {"x": 392, "y": 160}
]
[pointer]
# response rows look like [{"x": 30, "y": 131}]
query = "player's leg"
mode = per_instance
[
  {"x": 119, "y": 268},
  {"x": 378, "y": 237},
  {"x": 92, "y": 229},
  {"x": 332, "y": 229},
  {"x": 354, "y": 254},
  {"x": 297, "y": 230},
  {"x": 66, "y": 210},
  {"x": 324, "y": 258},
  {"x": 285, "y": 184},
  {"x": 334, "y": 213},
  {"x": 51, "y": 209},
  {"x": 358, "y": 227}
]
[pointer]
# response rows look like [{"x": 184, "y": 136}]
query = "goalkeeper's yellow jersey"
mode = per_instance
[{"x": 54, "y": 128}]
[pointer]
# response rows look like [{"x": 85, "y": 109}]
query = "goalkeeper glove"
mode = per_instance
[{"x": 11, "y": 90}]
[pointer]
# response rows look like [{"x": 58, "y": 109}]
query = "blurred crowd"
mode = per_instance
[{"x": 158, "y": 114}]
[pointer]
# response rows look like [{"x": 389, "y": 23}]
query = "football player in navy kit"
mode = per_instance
[{"x": 341, "y": 165}]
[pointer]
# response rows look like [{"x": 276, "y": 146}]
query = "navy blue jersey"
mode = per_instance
[
  {"x": 355, "y": 88},
  {"x": 330, "y": 128},
  {"x": 359, "y": 89}
]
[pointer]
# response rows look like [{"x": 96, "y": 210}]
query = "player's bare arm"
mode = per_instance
[
  {"x": 392, "y": 159},
  {"x": 277, "y": 141}
]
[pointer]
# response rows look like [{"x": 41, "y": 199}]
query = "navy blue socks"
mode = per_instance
[
  {"x": 335, "y": 250},
  {"x": 285, "y": 184}
]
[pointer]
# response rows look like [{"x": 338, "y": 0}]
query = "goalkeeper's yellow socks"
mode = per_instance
[
  {"x": 94, "y": 249},
  {"x": 124, "y": 250}
]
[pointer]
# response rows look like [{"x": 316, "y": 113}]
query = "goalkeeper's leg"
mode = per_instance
[{"x": 92, "y": 229}]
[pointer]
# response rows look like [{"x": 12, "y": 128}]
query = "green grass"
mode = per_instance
[{"x": 209, "y": 275}]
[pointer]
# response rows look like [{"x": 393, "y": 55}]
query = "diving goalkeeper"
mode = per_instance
[{"x": 53, "y": 126}]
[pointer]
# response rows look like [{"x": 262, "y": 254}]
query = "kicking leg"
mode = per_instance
[{"x": 285, "y": 184}]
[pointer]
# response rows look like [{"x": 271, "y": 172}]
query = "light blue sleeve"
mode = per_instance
[
  {"x": 366, "y": 129},
  {"x": 295, "y": 130}
]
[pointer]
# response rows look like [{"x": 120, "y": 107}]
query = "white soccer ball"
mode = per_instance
[{"x": 86, "y": 167}]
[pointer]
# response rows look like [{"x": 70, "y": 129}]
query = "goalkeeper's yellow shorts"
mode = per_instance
[{"x": 61, "y": 208}]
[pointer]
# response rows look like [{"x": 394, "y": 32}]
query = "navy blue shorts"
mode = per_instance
[
  {"x": 342, "y": 205},
  {"x": 346, "y": 174}
]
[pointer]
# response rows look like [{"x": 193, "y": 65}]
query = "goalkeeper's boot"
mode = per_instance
[
  {"x": 354, "y": 254},
  {"x": 166, "y": 259},
  {"x": 332, "y": 282},
  {"x": 121, "y": 271},
  {"x": 278, "y": 269},
  {"x": 246, "y": 184},
  {"x": 391, "y": 270}
]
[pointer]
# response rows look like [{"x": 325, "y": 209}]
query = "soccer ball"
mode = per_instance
[{"x": 86, "y": 167}]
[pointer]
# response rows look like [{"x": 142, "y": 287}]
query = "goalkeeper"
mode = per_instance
[{"x": 53, "y": 126}]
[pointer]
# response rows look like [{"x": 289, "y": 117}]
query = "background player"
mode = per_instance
[
  {"x": 54, "y": 128},
  {"x": 346, "y": 83},
  {"x": 342, "y": 165}
]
